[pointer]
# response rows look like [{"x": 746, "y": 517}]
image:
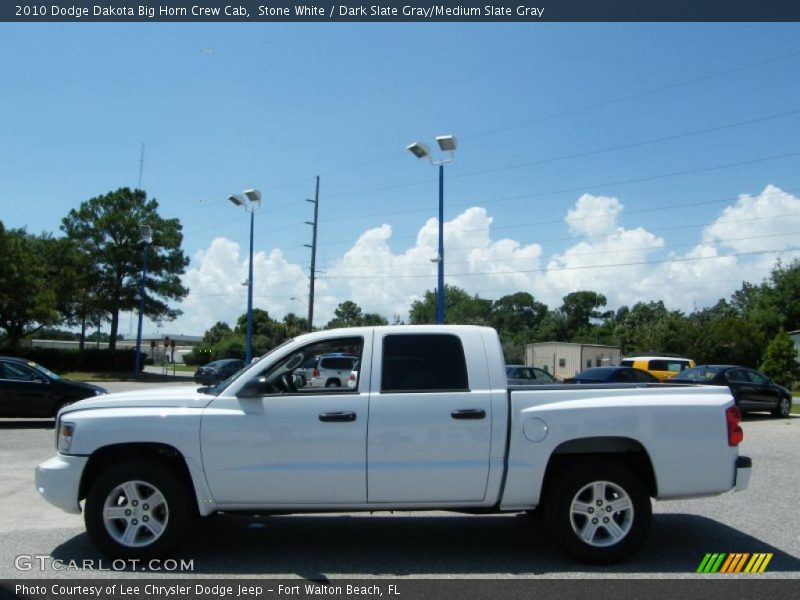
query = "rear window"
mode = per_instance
[
  {"x": 423, "y": 363},
  {"x": 668, "y": 365},
  {"x": 338, "y": 362}
]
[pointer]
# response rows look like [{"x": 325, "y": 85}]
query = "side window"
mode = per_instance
[
  {"x": 423, "y": 363},
  {"x": 17, "y": 372},
  {"x": 737, "y": 376},
  {"x": 756, "y": 377},
  {"x": 304, "y": 369},
  {"x": 658, "y": 365}
]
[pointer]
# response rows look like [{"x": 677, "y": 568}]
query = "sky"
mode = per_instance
[{"x": 642, "y": 161}]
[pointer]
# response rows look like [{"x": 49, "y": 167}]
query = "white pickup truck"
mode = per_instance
[{"x": 430, "y": 424}]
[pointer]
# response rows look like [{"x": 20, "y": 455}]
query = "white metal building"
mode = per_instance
[{"x": 564, "y": 359}]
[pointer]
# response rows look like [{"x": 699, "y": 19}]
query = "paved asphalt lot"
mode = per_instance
[{"x": 764, "y": 518}]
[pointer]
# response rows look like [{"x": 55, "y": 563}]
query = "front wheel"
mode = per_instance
[
  {"x": 598, "y": 511},
  {"x": 138, "y": 509},
  {"x": 783, "y": 409}
]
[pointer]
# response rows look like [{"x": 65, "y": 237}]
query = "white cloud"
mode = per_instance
[
  {"x": 216, "y": 292},
  {"x": 627, "y": 265},
  {"x": 594, "y": 215}
]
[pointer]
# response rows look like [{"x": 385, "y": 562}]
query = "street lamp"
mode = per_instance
[
  {"x": 251, "y": 201},
  {"x": 146, "y": 233},
  {"x": 447, "y": 143}
]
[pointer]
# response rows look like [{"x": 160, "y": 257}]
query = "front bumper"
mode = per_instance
[
  {"x": 58, "y": 480},
  {"x": 743, "y": 467}
]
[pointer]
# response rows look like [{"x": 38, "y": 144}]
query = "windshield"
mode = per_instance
[{"x": 216, "y": 390}]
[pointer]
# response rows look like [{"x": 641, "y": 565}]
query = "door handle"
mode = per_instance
[
  {"x": 340, "y": 417},
  {"x": 469, "y": 413}
]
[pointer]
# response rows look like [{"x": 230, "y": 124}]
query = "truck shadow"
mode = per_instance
[{"x": 431, "y": 544}]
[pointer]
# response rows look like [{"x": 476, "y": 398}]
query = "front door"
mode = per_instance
[{"x": 291, "y": 446}]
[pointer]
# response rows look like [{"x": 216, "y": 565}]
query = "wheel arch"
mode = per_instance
[
  {"x": 626, "y": 451},
  {"x": 103, "y": 458}
]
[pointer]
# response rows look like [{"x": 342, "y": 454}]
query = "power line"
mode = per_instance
[
  {"x": 575, "y": 268},
  {"x": 583, "y": 154},
  {"x": 591, "y": 253}
]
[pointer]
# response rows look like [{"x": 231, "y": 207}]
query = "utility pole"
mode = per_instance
[{"x": 313, "y": 247}]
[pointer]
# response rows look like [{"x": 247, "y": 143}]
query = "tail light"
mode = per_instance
[
  {"x": 315, "y": 373},
  {"x": 735, "y": 434},
  {"x": 352, "y": 377}
]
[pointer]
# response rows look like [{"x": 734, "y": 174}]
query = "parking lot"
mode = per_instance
[{"x": 420, "y": 545}]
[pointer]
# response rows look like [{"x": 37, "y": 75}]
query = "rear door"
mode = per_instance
[{"x": 429, "y": 419}]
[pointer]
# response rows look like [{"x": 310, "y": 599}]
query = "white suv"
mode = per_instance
[{"x": 332, "y": 370}]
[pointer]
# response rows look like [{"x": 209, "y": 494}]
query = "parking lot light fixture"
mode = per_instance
[
  {"x": 447, "y": 144},
  {"x": 146, "y": 234},
  {"x": 251, "y": 201}
]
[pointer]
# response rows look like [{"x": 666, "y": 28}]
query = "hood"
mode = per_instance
[
  {"x": 179, "y": 396},
  {"x": 89, "y": 388}
]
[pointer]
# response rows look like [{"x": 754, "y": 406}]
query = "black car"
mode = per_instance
[
  {"x": 612, "y": 375},
  {"x": 751, "y": 390},
  {"x": 217, "y": 370},
  {"x": 30, "y": 390}
]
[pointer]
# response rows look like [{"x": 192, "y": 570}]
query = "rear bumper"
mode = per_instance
[
  {"x": 58, "y": 480},
  {"x": 743, "y": 467}
]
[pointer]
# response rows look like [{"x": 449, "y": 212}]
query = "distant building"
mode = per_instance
[
  {"x": 564, "y": 359},
  {"x": 183, "y": 345}
]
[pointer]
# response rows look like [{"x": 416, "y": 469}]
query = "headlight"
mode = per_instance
[
  {"x": 99, "y": 392},
  {"x": 65, "y": 433}
]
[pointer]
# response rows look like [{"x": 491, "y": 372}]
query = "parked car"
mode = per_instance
[
  {"x": 30, "y": 390},
  {"x": 751, "y": 390},
  {"x": 662, "y": 367},
  {"x": 332, "y": 370},
  {"x": 217, "y": 370},
  {"x": 522, "y": 375},
  {"x": 612, "y": 375}
]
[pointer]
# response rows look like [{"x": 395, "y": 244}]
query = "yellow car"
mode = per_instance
[{"x": 662, "y": 367}]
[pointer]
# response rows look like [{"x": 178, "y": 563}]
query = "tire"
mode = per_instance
[
  {"x": 583, "y": 490},
  {"x": 333, "y": 383},
  {"x": 151, "y": 510},
  {"x": 783, "y": 409}
]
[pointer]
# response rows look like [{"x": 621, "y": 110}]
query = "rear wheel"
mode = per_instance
[
  {"x": 783, "y": 409},
  {"x": 138, "y": 509},
  {"x": 598, "y": 511},
  {"x": 333, "y": 383}
]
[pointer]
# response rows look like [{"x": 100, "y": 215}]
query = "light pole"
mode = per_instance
[
  {"x": 447, "y": 143},
  {"x": 251, "y": 201},
  {"x": 146, "y": 233}
]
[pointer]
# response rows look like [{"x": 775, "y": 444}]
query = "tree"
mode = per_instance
[
  {"x": 516, "y": 316},
  {"x": 780, "y": 360},
  {"x": 349, "y": 314},
  {"x": 580, "y": 308},
  {"x": 459, "y": 308},
  {"x": 107, "y": 229},
  {"x": 28, "y": 299},
  {"x": 216, "y": 333}
]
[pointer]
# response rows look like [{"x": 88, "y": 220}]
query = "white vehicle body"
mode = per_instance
[{"x": 364, "y": 448}]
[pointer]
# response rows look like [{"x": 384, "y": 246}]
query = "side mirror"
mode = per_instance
[
  {"x": 40, "y": 379},
  {"x": 252, "y": 389}
]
